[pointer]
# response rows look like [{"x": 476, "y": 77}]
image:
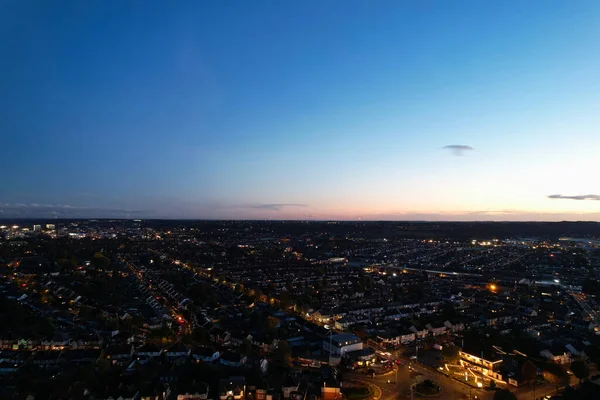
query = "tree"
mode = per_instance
[
  {"x": 449, "y": 312},
  {"x": 529, "y": 370},
  {"x": 100, "y": 261},
  {"x": 570, "y": 393},
  {"x": 246, "y": 347},
  {"x": 285, "y": 300},
  {"x": 200, "y": 336},
  {"x": 283, "y": 353},
  {"x": 271, "y": 323},
  {"x": 580, "y": 369},
  {"x": 450, "y": 352},
  {"x": 67, "y": 264},
  {"x": 504, "y": 394},
  {"x": 593, "y": 352}
]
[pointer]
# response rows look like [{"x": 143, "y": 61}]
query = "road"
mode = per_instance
[
  {"x": 452, "y": 389},
  {"x": 406, "y": 377},
  {"x": 545, "y": 389}
]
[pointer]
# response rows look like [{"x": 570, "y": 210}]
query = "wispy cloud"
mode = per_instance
[
  {"x": 575, "y": 197},
  {"x": 273, "y": 206},
  {"x": 458, "y": 149},
  {"x": 485, "y": 215},
  {"x": 495, "y": 212},
  {"x": 34, "y": 210}
]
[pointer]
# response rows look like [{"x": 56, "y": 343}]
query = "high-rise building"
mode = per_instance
[
  {"x": 37, "y": 228},
  {"x": 50, "y": 226}
]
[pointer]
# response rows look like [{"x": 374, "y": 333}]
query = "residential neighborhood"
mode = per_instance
[{"x": 148, "y": 310}]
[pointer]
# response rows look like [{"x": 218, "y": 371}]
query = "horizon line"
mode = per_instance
[{"x": 290, "y": 220}]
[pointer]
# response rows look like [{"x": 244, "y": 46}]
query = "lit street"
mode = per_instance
[{"x": 407, "y": 377}]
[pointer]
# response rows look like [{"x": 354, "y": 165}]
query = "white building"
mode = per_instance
[{"x": 342, "y": 344}]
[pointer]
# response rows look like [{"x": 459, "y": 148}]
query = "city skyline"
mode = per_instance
[{"x": 271, "y": 110}]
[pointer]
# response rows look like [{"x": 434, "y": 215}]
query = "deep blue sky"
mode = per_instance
[{"x": 289, "y": 109}]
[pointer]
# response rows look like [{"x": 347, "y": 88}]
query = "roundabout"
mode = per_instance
[{"x": 427, "y": 388}]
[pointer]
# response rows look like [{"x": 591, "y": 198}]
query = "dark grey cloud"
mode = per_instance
[
  {"x": 458, "y": 149},
  {"x": 273, "y": 206},
  {"x": 575, "y": 197},
  {"x": 34, "y": 210}
]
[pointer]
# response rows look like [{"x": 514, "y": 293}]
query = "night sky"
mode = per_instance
[{"x": 442, "y": 110}]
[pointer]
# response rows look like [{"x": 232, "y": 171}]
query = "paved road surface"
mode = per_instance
[{"x": 406, "y": 377}]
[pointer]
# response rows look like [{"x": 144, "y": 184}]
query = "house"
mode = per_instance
[
  {"x": 118, "y": 355},
  {"x": 556, "y": 355},
  {"x": 80, "y": 357},
  {"x": 578, "y": 352},
  {"x": 122, "y": 393},
  {"x": 154, "y": 391},
  {"x": 387, "y": 339},
  {"x": 120, "y": 337},
  {"x": 220, "y": 336},
  {"x": 362, "y": 358},
  {"x": 85, "y": 342},
  {"x": 323, "y": 315},
  {"x": 232, "y": 359},
  {"x": 288, "y": 386},
  {"x": 20, "y": 344},
  {"x": 454, "y": 327},
  {"x": 486, "y": 363},
  {"x": 56, "y": 343},
  {"x": 420, "y": 333},
  {"x": 437, "y": 330},
  {"x": 205, "y": 354},
  {"x": 316, "y": 329},
  {"x": 193, "y": 391},
  {"x": 233, "y": 387},
  {"x": 46, "y": 358},
  {"x": 149, "y": 350},
  {"x": 8, "y": 368},
  {"x": 272, "y": 394},
  {"x": 407, "y": 337},
  {"x": 264, "y": 342},
  {"x": 14, "y": 357},
  {"x": 177, "y": 351},
  {"x": 344, "y": 323}
]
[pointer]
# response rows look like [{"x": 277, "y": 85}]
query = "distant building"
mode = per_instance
[
  {"x": 37, "y": 228},
  {"x": 50, "y": 226}
]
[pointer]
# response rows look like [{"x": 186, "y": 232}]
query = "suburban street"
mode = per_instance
[
  {"x": 406, "y": 377},
  {"x": 397, "y": 384}
]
